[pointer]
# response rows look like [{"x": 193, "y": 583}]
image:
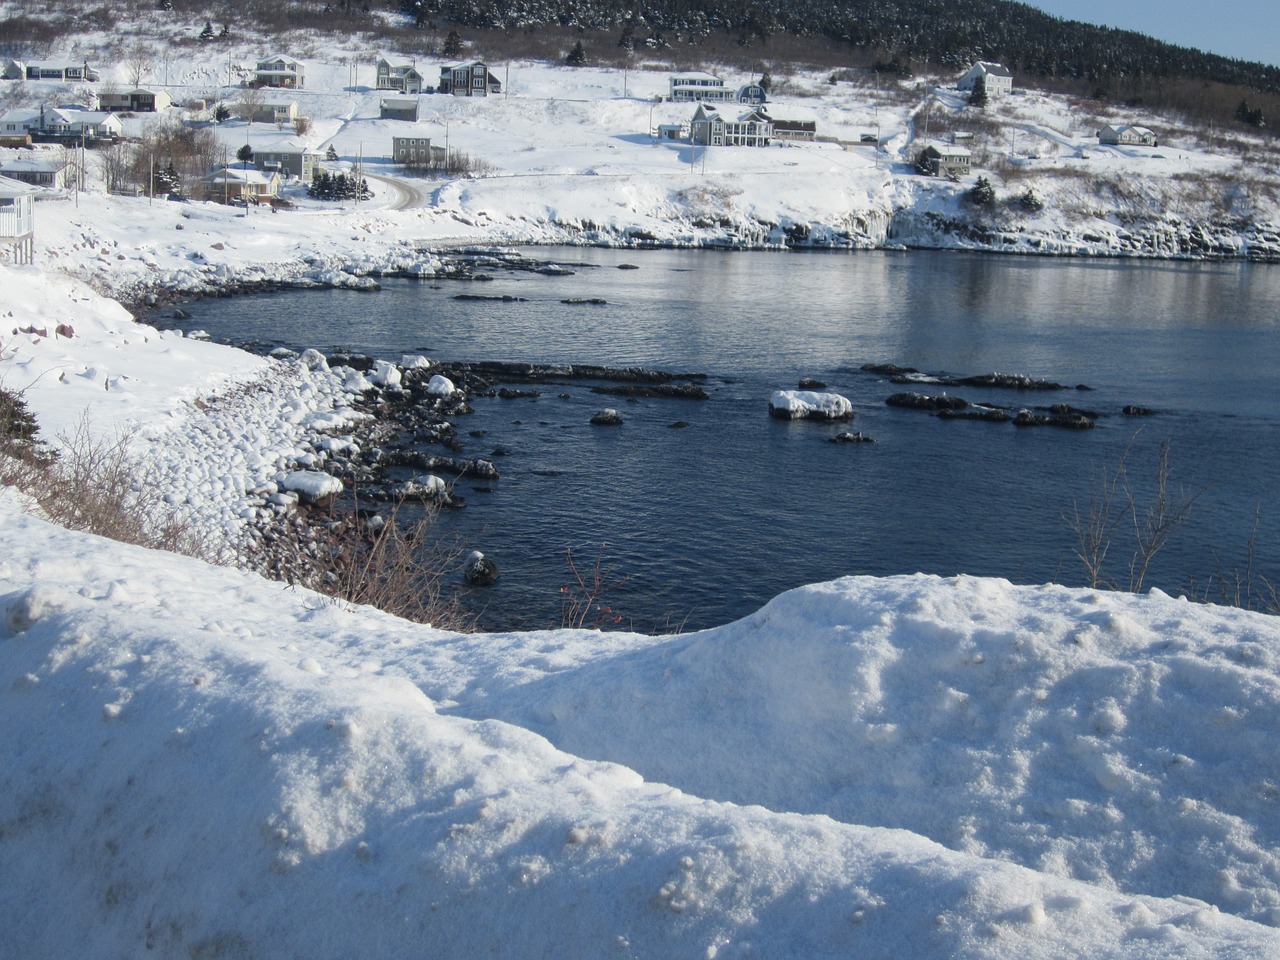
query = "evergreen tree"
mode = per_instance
[
  {"x": 766, "y": 81},
  {"x": 167, "y": 180},
  {"x": 221, "y": 114},
  {"x": 452, "y": 45},
  {"x": 978, "y": 95},
  {"x": 577, "y": 56},
  {"x": 981, "y": 194},
  {"x": 1030, "y": 201},
  {"x": 207, "y": 32},
  {"x": 331, "y": 154},
  {"x": 924, "y": 163},
  {"x": 628, "y": 39},
  {"x": 225, "y": 32},
  {"x": 245, "y": 153}
]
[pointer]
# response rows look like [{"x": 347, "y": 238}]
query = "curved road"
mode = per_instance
[{"x": 404, "y": 194}]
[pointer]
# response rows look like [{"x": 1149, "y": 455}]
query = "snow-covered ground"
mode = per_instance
[{"x": 201, "y": 763}]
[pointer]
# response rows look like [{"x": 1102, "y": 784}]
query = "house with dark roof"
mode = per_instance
[{"x": 468, "y": 80}]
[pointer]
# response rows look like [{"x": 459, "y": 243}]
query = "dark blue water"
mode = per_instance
[{"x": 708, "y": 522}]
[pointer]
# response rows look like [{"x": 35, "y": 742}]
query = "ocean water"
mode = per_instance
[{"x": 703, "y": 524}]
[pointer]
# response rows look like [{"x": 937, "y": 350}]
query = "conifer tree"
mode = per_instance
[
  {"x": 978, "y": 96},
  {"x": 577, "y": 56},
  {"x": 452, "y": 44}
]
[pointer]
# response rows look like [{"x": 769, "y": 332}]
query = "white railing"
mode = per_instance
[{"x": 16, "y": 220}]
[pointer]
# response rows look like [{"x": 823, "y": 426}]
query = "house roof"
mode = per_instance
[
  {"x": 85, "y": 117},
  {"x": 994, "y": 69},
  {"x": 694, "y": 75},
  {"x": 279, "y": 58},
  {"x": 399, "y": 102},
  {"x": 402, "y": 64},
  {"x": 240, "y": 173},
  {"x": 12, "y": 188},
  {"x": 34, "y": 165},
  {"x": 55, "y": 64},
  {"x": 795, "y": 125},
  {"x": 21, "y": 115}
]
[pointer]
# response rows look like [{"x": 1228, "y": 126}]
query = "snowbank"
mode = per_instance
[{"x": 199, "y": 762}]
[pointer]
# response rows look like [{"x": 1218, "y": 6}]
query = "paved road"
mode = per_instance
[{"x": 404, "y": 194}]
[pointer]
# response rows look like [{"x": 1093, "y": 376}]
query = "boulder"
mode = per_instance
[
  {"x": 478, "y": 570},
  {"x": 607, "y": 418}
]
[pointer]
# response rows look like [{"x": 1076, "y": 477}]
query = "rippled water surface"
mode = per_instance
[{"x": 708, "y": 522}]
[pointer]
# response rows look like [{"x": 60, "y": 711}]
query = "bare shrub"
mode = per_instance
[
  {"x": 88, "y": 484},
  {"x": 583, "y": 600},
  {"x": 1113, "y": 502},
  {"x": 394, "y": 563}
]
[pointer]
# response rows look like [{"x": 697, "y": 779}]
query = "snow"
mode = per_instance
[
  {"x": 809, "y": 404},
  {"x": 200, "y": 762}
]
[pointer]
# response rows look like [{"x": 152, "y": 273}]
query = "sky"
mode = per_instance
[{"x": 1244, "y": 29}]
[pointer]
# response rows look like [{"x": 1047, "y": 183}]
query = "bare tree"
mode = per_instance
[{"x": 138, "y": 64}]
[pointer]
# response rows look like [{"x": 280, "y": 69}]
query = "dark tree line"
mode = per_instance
[{"x": 922, "y": 32}]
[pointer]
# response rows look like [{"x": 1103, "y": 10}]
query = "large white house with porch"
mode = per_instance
[
  {"x": 279, "y": 70},
  {"x": 17, "y": 219}
]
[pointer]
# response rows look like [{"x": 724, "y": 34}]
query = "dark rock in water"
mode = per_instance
[
  {"x": 922, "y": 401},
  {"x": 564, "y": 396},
  {"x": 1133, "y": 411},
  {"x": 1026, "y": 418},
  {"x": 180, "y": 314},
  {"x": 607, "y": 418},
  {"x": 628, "y": 266},
  {"x": 503, "y": 298},
  {"x": 677, "y": 391},
  {"x": 977, "y": 412},
  {"x": 847, "y": 437},
  {"x": 1065, "y": 409},
  {"x": 678, "y": 425},
  {"x": 498, "y": 452},
  {"x": 888, "y": 369},
  {"x": 478, "y": 433},
  {"x": 479, "y": 570},
  {"x": 586, "y": 301},
  {"x": 808, "y": 383},
  {"x": 1008, "y": 381},
  {"x": 448, "y": 466},
  {"x": 511, "y": 393},
  {"x": 356, "y": 361}
]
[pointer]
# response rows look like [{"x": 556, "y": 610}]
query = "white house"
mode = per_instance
[
  {"x": 238, "y": 182},
  {"x": 17, "y": 218},
  {"x": 398, "y": 73},
  {"x": 13, "y": 70},
  {"x": 1128, "y": 135},
  {"x": 688, "y": 87},
  {"x": 750, "y": 129},
  {"x": 996, "y": 77},
  {"x": 279, "y": 70},
  {"x": 19, "y": 121},
  {"x": 55, "y": 173},
  {"x": 66, "y": 123}
]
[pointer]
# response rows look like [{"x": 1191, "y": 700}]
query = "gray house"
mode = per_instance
[
  {"x": 398, "y": 108},
  {"x": 948, "y": 161}
]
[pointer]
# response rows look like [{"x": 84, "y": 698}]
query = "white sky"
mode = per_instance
[{"x": 1246, "y": 29}]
